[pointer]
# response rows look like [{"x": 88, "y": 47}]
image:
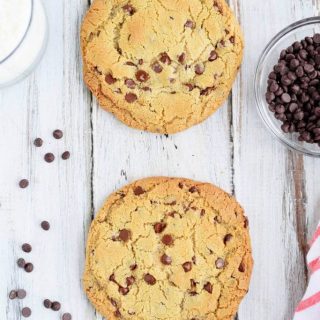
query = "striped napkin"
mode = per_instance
[{"x": 309, "y": 307}]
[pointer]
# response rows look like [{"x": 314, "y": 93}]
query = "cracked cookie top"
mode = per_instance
[
  {"x": 168, "y": 249},
  {"x": 161, "y": 65}
]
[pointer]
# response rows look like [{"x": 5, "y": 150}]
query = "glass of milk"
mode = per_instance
[{"x": 23, "y": 38}]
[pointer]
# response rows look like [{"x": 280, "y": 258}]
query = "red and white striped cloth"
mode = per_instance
[{"x": 309, "y": 307}]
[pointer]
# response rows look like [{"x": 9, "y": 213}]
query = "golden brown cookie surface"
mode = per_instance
[
  {"x": 164, "y": 248},
  {"x": 161, "y": 65}
]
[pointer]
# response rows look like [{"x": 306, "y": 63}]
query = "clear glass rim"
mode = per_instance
[
  {"x": 24, "y": 34},
  {"x": 257, "y": 89}
]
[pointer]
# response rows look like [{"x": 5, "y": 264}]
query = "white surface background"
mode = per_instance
[{"x": 278, "y": 189}]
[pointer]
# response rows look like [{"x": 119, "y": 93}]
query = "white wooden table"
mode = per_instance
[{"x": 278, "y": 188}]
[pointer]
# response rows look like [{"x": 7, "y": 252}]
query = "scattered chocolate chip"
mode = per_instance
[
  {"x": 130, "y": 280},
  {"x": 28, "y": 267},
  {"x": 129, "y": 9},
  {"x": 49, "y": 157},
  {"x": 66, "y": 316},
  {"x": 117, "y": 314},
  {"x": 213, "y": 56},
  {"x": 138, "y": 191},
  {"x": 21, "y": 263},
  {"x": 57, "y": 134},
  {"x": 142, "y": 76},
  {"x": 156, "y": 67},
  {"x": 227, "y": 238},
  {"x": 131, "y": 97},
  {"x": 56, "y": 306},
  {"x": 190, "y": 86},
  {"x": 149, "y": 279},
  {"x": 203, "y": 212},
  {"x": 164, "y": 58},
  {"x": 45, "y": 225},
  {"x": 187, "y": 266},
  {"x": 110, "y": 79},
  {"x": 112, "y": 278},
  {"x": 189, "y": 24},
  {"x": 242, "y": 267},
  {"x": 38, "y": 142},
  {"x": 47, "y": 303},
  {"x": 140, "y": 62},
  {"x": 182, "y": 58},
  {"x": 166, "y": 260},
  {"x": 199, "y": 69},
  {"x": 193, "y": 189},
  {"x": 246, "y": 222},
  {"x": 26, "y": 312},
  {"x": 180, "y": 185},
  {"x": 125, "y": 235},
  {"x": 167, "y": 239},
  {"x": 114, "y": 303},
  {"x": 65, "y": 155},
  {"x": 220, "y": 263},
  {"x": 232, "y": 39},
  {"x": 123, "y": 291},
  {"x": 208, "y": 287},
  {"x": 130, "y": 83},
  {"x": 24, "y": 183},
  {"x": 12, "y": 294},
  {"x": 21, "y": 294},
  {"x": 159, "y": 227},
  {"x": 26, "y": 247}
]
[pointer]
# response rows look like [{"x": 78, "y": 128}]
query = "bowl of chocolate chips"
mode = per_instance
[{"x": 287, "y": 86}]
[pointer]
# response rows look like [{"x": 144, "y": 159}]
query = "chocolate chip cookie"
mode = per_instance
[
  {"x": 161, "y": 66},
  {"x": 171, "y": 249}
]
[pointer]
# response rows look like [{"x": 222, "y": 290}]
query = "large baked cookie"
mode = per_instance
[
  {"x": 168, "y": 249},
  {"x": 162, "y": 65}
]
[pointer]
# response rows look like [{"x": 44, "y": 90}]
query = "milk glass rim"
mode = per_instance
[{"x": 24, "y": 35}]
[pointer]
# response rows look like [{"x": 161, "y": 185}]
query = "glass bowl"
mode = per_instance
[{"x": 270, "y": 56}]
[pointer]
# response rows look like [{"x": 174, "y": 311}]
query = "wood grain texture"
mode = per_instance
[{"x": 278, "y": 188}]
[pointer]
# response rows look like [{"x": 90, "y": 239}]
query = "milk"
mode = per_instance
[{"x": 23, "y": 35}]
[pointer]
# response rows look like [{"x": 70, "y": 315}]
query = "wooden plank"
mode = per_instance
[
  {"x": 53, "y": 97},
  {"x": 269, "y": 180}
]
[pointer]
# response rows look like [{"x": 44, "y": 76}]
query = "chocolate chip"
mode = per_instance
[
  {"x": 316, "y": 38},
  {"x": 189, "y": 24},
  {"x": 190, "y": 86},
  {"x": 167, "y": 239},
  {"x": 12, "y": 294},
  {"x": 114, "y": 303},
  {"x": 286, "y": 98},
  {"x": 227, "y": 238},
  {"x": 164, "y": 58},
  {"x": 45, "y": 225},
  {"x": 117, "y": 314},
  {"x": 130, "y": 280},
  {"x": 129, "y": 9},
  {"x": 142, "y": 76},
  {"x": 47, "y": 303},
  {"x": 26, "y": 247},
  {"x": 131, "y": 97},
  {"x": 57, "y": 134},
  {"x": 138, "y": 191},
  {"x": 156, "y": 67},
  {"x": 166, "y": 260},
  {"x": 133, "y": 267},
  {"x": 66, "y": 316},
  {"x": 49, "y": 157},
  {"x": 149, "y": 279},
  {"x": 213, "y": 55},
  {"x": 242, "y": 267},
  {"x": 159, "y": 227},
  {"x": 26, "y": 312},
  {"x": 202, "y": 213},
  {"x": 129, "y": 63},
  {"x": 56, "y": 306},
  {"x": 199, "y": 69},
  {"x": 187, "y": 266},
  {"x": 232, "y": 39},
  {"x": 130, "y": 83},
  {"x": 112, "y": 278},
  {"x": 208, "y": 287},
  {"x": 28, "y": 267},
  {"x": 38, "y": 142},
  {"x": 125, "y": 235},
  {"x": 24, "y": 183},
  {"x": 123, "y": 291},
  {"x": 21, "y": 263},
  {"x": 182, "y": 58},
  {"x": 220, "y": 263},
  {"x": 193, "y": 189},
  {"x": 146, "y": 88},
  {"x": 21, "y": 294},
  {"x": 65, "y": 155}
]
